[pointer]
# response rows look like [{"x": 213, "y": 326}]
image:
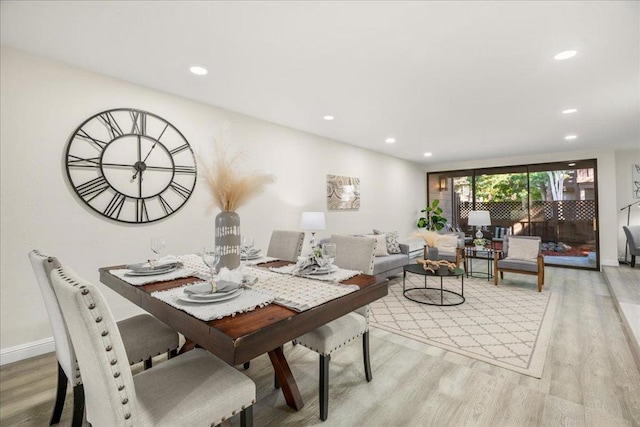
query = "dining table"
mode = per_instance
[{"x": 238, "y": 339}]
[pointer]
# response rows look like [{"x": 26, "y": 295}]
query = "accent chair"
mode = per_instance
[
  {"x": 633, "y": 241},
  {"x": 522, "y": 255}
]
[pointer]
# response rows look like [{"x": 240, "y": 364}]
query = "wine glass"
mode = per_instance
[
  {"x": 157, "y": 246},
  {"x": 329, "y": 254},
  {"x": 211, "y": 258},
  {"x": 246, "y": 245}
]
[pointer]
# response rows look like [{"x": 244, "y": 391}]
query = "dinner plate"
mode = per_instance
[
  {"x": 152, "y": 272},
  {"x": 203, "y": 300},
  {"x": 251, "y": 256},
  {"x": 214, "y": 296},
  {"x": 324, "y": 270}
]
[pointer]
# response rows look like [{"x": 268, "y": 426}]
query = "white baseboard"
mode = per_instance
[
  {"x": 25, "y": 351},
  {"x": 611, "y": 262}
]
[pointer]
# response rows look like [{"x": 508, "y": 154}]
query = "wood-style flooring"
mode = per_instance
[{"x": 589, "y": 378}]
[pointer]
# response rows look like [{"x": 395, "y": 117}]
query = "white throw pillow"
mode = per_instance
[
  {"x": 381, "y": 244},
  {"x": 523, "y": 249},
  {"x": 447, "y": 243}
]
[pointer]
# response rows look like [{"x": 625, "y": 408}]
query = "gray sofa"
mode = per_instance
[{"x": 389, "y": 265}]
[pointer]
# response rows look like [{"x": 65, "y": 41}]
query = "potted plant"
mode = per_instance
[
  {"x": 433, "y": 219},
  {"x": 479, "y": 243}
]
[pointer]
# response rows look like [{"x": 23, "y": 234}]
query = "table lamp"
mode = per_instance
[
  {"x": 479, "y": 219},
  {"x": 312, "y": 221}
]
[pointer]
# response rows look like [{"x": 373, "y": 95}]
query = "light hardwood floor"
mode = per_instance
[{"x": 589, "y": 378}]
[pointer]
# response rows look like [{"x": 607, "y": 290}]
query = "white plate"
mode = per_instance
[
  {"x": 324, "y": 270},
  {"x": 250, "y": 257},
  {"x": 153, "y": 272},
  {"x": 212, "y": 297},
  {"x": 201, "y": 299}
]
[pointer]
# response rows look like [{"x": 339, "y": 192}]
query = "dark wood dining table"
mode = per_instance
[{"x": 240, "y": 338}]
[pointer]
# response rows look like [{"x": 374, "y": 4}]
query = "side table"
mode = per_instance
[{"x": 481, "y": 253}]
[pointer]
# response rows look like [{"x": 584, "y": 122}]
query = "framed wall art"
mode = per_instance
[
  {"x": 635, "y": 181},
  {"x": 343, "y": 192}
]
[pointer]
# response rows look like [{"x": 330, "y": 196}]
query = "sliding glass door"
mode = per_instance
[{"x": 556, "y": 201}]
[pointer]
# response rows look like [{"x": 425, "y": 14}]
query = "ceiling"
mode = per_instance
[{"x": 458, "y": 79}]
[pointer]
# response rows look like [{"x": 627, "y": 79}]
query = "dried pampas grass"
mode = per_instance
[
  {"x": 229, "y": 188},
  {"x": 431, "y": 237}
]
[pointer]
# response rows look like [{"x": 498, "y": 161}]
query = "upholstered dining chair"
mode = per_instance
[
  {"x": 195, "y": 388},
  {"x": 520, "y": 254},
  {"x": 353, "y": 253},
  {"x": 285, "y": 245},
  {"x": 633, "y": 241},
  {"x": 144, "y": 336}
]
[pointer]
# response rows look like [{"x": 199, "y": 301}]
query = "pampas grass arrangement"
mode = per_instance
[
  {"x": 430, "y": 237},
  {"x": 229, "y": 187}
]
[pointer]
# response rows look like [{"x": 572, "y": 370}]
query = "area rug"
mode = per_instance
[{"x": 507, "y": 326}]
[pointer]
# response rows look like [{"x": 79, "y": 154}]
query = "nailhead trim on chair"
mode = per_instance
[
  {"x": 90, "y": 303},
  {"x": 335, "y": 348}
]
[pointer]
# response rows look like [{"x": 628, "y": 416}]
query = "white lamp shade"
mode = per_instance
[
  {"x": 312, "y": 221},
  {"x": 479, "y": 218}
]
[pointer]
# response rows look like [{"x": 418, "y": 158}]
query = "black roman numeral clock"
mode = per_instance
[{"x": 130, "y": 165}]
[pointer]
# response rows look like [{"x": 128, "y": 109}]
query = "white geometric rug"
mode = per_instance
[{"x": 505, "y": 325}]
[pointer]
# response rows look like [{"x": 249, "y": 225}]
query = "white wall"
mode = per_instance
[
  {"x": 625, "y": 192},
  {"x": 42, "y": 102},
  {"x": 607, "y": 182}
]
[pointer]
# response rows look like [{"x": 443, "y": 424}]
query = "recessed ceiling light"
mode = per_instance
[
  {"x": 428, "y": 154},
  {"x": 569, "y": 111},
  {"x": 328, "y": 117},
  {"x": 390, "y": 140},
  {"x": 200, "y": 71},
  {"x": 572, "y": 164},
  {"x": 565, "y": 55},
  {"x": 571, "y": 137}
]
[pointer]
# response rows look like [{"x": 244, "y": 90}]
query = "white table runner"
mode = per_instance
[{"x": 298, "y": 293}]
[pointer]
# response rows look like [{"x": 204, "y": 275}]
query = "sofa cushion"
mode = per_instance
[
  {"x": 393, "y": 244},
  {"x": 381, "y": 244},
  {"x": 447, "y": 243},
  {"x": 518, "y": 264},
  {"x": 391, "y": 262}
]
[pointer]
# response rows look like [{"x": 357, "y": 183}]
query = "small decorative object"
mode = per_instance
[
  {"x": 343, "y": 192},
  {"x": 432, "y": 253},
  {"x": 432, "y": 266},
  {"x": 479, "y": 243},
  {"x": 433, "y": 219},
  {"x": 431, "y": 239},
  {"x": 130, "y": 166},
  {"x": 229, "y": 190}
]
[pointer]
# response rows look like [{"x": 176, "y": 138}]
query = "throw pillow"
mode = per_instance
[
  {"x": 381, "y": 244},
  {"x": 393, "y": 245},
  {"x": 523, "y": 249},
  {"x": 447, "y": 243}
]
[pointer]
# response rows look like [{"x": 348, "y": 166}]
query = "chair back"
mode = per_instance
[
  {"x": 507, "y": 237},
  {"x": 42, "y": 266},
  {"x": 286, "y": 245},
  {"x": 633, "y": 238},
  {"x": 354, "y": 253},
  {"x": 108, "y": 382}
]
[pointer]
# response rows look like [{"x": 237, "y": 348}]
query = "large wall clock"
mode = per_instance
[{"x": 130, "y": 165}]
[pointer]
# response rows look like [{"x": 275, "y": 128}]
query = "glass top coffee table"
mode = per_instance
[{"x": 429, "y": 295}]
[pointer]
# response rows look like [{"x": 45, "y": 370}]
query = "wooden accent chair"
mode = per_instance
[
  {"x": 633, "y": 241},
  {"x": 286, "y": 245},
  {"x": 353, "y": 253},
  {"x": 520, "y": 255},
  {"x": 195, "y": 388},
  {"x": 144, "y": 336}
]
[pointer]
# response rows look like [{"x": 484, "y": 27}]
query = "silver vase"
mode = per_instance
[
  {"x": 228, "y": 239},
  {"x": 432, "y": 253}
]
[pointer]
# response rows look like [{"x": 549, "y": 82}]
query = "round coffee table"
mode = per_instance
[{"x": 418, "y": 269}]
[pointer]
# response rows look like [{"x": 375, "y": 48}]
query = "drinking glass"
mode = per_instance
[
  {"x": 329, "y": 253},
  {"x": 246, "y": 244},
  {"x": 211, "y": 258},
  {"x": 157, "y": 246}
]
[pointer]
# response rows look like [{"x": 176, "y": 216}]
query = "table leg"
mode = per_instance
[
  {"x": 285, "y": 378},
  {"x": 187, "y": 346},
  {"x": 441, "y": 291}
]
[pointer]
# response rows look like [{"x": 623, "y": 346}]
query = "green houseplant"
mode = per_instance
[{"x": 433, "y": 219}]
